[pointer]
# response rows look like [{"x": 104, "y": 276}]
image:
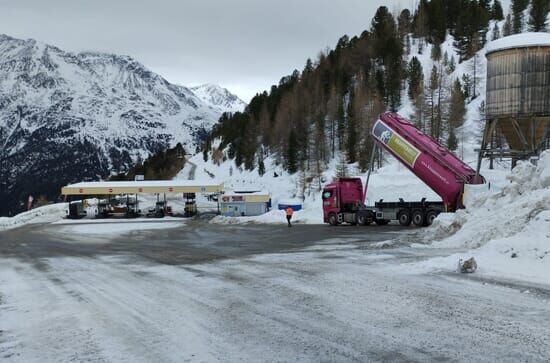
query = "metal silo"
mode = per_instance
[{"x": 517, "y": 105}]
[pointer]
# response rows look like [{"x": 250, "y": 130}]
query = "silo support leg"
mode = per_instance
[
  {"x": 487, "y": 133},
  {"x": 520, "y": 134}
]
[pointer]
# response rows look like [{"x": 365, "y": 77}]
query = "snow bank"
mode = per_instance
[
  {"x": 46, "y": 214},
  {"x": 118, "y": 227},
  {"x": 312, "y": 215},
  {"x": 508, "y": 232}
]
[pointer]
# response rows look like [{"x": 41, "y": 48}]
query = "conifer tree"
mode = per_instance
[
  {"x": 420, "y": 21},
  {"x": 457, "y": 109},
  {"x": 433, "y": 87},
  {"x": 437, "y": 21},
  {"x": 471, "y": 29},
  {"x": 388, "y": 50},
  {"x": 537, "y": 15},
  {"x": 291, "y": 153},
  {"x": 518, "y": 6},
  {"x": 507, "y": 27},
  {"x": 261, "y": 167},
  {"x": 496, "y": 11},
  {"x": 452, "y": 64},
  {"x": 415, "y": 79},
  {"x": 308, "y": 68},
  {"x": 496, "y": 32},
  {"x": 404, "y": 23},
  {"x": 467, "y": 86},
  {"x": 436, "y": 52},
  {"x": 452, "y": 141},
  {"x": 341, "y": 125},
  {"x": 351, "y": 144}
]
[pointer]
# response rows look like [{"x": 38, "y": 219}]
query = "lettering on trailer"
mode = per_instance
[
  {"x": 441, "y": 177},
  {"x": 395, "y": 143}
]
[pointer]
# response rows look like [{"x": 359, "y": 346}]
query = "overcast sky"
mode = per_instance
[{"x": 243, "y": 45}]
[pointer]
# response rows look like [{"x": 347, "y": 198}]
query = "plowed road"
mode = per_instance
[{"x": 203, "y": 292}]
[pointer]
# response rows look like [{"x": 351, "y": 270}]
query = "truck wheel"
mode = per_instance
[
  {"x": 382, "y": 222},
  {"x": 418, "y": 218},
  {"x": 430, "y": 216},
  {"x": 362, "y": 220},
  {"x": 404, "y": 218},
  {"x": 332, "y": 220}
]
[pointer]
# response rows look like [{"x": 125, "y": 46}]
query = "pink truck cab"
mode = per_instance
[{"x": 344, "y": 195}]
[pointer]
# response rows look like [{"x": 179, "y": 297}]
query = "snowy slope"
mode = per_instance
[
  {"x": 218, "y": 98},
  {"x": 65, "y": 117}
]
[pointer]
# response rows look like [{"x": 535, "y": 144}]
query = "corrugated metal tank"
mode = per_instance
[{"x": 518, "y": 88}]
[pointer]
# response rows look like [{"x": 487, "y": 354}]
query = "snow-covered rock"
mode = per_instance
[{"x": 219, "y": 98}]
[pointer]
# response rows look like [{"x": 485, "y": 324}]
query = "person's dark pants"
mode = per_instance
[{"x": 288, "y": 220}]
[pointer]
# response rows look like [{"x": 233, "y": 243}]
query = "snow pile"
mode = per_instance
[
  {"x": 508, "y": 231},
  {"x": 46, "y": 214},
  {"x": 116, "y": 227},
  {"x": 311, "y": 215}
]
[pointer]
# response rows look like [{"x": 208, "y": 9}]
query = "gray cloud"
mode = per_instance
[{"x": 244, "y": 45}]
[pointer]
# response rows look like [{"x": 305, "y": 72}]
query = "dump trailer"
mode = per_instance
[{"x": 435, "y": 165}]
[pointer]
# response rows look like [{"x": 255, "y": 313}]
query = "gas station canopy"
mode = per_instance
[{"x": 146, "y": 186}]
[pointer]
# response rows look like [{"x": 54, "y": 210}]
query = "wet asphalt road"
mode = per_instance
[
  {"x": 197, "y": 241},
  {"x": 204, "y": 292}
]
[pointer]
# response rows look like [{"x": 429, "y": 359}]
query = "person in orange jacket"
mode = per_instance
[{"x": 289, "y": 212}]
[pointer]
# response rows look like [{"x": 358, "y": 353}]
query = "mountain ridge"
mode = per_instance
[
  {"x": 107, "y": 111},
  {"x": 218, "y": 97}
]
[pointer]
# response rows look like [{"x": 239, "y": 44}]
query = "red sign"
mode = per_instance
[
  {"x": 140, "y": 190},
  {"x": 237, "y": 198},
  {"x": 81, "y": 190},
  {"x": 170, "y": 189},
  {"x": 110, "y": 190}
]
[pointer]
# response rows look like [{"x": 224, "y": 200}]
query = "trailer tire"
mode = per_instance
[
  {"x": 362, "y": 220},
  {"x": 332, "y": 219},
  {"x": 418, "y": 218},
  {"x": 404, "y": 217},
  {"x": 430, "y": 216}
]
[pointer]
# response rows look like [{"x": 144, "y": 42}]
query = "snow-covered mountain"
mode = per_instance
[
  {"x": 219, "y": 98},
  {"x": 66, "y": 116}
]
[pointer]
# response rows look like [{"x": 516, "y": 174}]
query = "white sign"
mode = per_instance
[{"x": 139, "y": 178}]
